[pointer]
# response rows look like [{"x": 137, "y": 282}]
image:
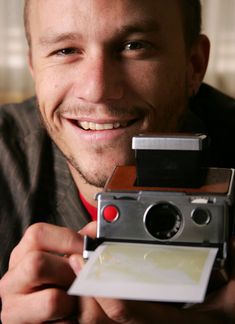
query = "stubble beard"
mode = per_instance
[
  {"x": 93, "y": 176},
  {"x": 96, "y": 177},
  {"x": 106, "y": 160}
]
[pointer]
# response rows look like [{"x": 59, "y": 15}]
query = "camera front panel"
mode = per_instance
[{"x": 162, "y": 217}]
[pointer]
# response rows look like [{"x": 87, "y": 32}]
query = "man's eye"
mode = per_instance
[
  {"x": 133, "y": 46},
  {"x": 66, "y": 51}
]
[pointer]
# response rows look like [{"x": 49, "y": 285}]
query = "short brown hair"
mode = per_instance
[
  {"x": 192, "y": 20},
  {"x": 191, "y": 11}
]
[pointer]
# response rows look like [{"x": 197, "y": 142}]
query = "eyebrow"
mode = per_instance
[
  {"x": 148, "y": 26},
  {"x": 142, "y": 26},
  {"x": 54, "y": 38}
]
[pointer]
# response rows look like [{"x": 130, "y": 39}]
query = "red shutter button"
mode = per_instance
[{"x": 110, "y": 213}]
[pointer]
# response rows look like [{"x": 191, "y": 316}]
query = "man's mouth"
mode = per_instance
[
  {"x": 101, "y": 126},
  {"x": 88, "y": 125}
]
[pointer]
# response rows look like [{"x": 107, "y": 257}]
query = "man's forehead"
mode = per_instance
[
  {"x": 86, "y": 5},
  {"x": 92, "y": 11}
]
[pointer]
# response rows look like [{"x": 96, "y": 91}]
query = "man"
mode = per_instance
[{"x": 104, "y": 70}]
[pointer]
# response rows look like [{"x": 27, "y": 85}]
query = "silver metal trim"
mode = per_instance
[{"x": 169, "y": 142}]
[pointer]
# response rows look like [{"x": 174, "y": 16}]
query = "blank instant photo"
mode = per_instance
[{"x": 146, "y": 272}]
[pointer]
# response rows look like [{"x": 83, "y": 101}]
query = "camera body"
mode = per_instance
[
  {"x": 200, "y": 213},
  {"x": 197, "y": 216}
]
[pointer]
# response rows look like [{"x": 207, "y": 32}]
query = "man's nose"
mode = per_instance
[{"x": 100, "y": 79}]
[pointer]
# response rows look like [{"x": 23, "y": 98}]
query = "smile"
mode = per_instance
[
  {"x": 102, "y": 130},
  {"x": 86, "y": 125}
]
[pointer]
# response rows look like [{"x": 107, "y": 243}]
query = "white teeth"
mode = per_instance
[
  {"x": 84, "y": 125},
  {"x": 94, "y": 126}
]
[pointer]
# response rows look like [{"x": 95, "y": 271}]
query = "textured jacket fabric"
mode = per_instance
[{"x": 35, "y": 182}]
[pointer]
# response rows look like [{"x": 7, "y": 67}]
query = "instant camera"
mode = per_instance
[{"x": 169, "y": 197}]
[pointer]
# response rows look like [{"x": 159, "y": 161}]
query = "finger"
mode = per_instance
[
  {"x": 36, "y": 270},
  {"x": 89, "y": 311},
  {"x": 116, "y": 310},
  {"x": 89, "y": 229},
  {"x": 133, "y": 312},
  {"x": 47, "y": 237},
  {"x": 45, "y": 305}
]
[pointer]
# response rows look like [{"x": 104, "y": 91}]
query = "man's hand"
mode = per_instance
[{"x": 34, "y": 288}]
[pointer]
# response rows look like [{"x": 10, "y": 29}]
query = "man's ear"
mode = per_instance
[{"x": 198, "y": 61}]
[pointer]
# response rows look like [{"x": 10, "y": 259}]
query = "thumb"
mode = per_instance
[
  {"x": 76, "y": 262},
  {"x": 89, "y": 230}
]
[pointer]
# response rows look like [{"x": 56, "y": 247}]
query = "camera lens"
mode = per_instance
[{"x": 163, "y": 220}]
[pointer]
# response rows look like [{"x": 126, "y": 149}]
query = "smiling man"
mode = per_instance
[
  {"x": 104, "y": 71},
  {"x": 109, "y": 80}
]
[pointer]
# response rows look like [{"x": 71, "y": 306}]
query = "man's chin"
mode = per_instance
[
  {"x": 95, "y": 176},
  {"x": 95, "y": 179}
]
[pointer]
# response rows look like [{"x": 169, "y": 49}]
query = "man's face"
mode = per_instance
[{"x": 104, "y": 71}]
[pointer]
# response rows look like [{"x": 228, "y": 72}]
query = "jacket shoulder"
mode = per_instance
[
  {"x": 21, "y": 118},
  {"x": 214, "y": 105},
  {"x": 217, "y": 112}
]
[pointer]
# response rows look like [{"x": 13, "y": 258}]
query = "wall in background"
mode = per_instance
[{"x": 16, "y": 82}]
